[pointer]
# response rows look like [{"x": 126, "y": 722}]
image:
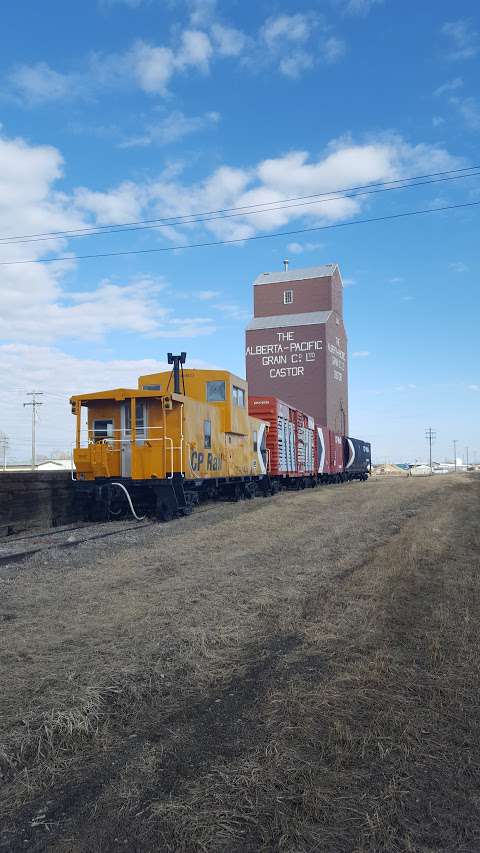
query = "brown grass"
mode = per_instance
[{"x": 295, "y": 675}]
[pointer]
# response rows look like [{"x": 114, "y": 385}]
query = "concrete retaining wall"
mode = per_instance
[{"x": 36, "y": 499}]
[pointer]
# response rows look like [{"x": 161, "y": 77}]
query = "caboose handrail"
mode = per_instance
[{"x": 170, "y": 476}]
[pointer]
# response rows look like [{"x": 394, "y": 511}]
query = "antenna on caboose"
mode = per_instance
[{"x": 177, "y": 361}]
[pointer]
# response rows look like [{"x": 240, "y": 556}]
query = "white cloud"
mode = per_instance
[
  {"x": 349, "y": 282},
  {"x": 35, "y": 305},
  {"x": 195, "y": 50},
  {"x": 396, "y": 280},
  {"x": 458, "y": 266},
  {"x": 449, "y": 86},
  {"x": 173, "y": 127},
  {"x": 202, "y": 12},
  {"x": 474, "y": 387},
  {"x": 437, "y": 121},
  {"x": 233, "y": 311},
  {"x": 207, "y": 295},
  {"x": 297, "y": 248},
  {"x": 152, "y": 67},
  {"x": 271, "y": 181},
  {"x": 363, "y": 353},
  {"x": 278, "y": 30},
  {"x": 469, "y": 109},
  {"x": 122, "y": 204},
  {"x": 294, "y": 64},
  {"x": 333, "y": 49},
  {"x": 292, "y": 42},
  {"x": 148, "y": 66},
  {"x": 464, "y": 40},
  {"x": 228, "y": 40},
  {"x": 41, "y": 84}
]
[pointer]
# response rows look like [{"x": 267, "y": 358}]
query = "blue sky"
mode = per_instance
[{"x": 115, "y": 111}]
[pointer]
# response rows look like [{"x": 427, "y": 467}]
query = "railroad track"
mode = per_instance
[
  {"x": 14, "y": 549},
  {"x": 18, "y": 549}
]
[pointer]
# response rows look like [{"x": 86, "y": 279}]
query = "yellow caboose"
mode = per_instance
[{"x": 158, "y": 449}]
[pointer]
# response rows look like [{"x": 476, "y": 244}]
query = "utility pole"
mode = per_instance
[
  {"x": 430, "y": 435},
  {"x": 466, "y": 455},
  {"x": 455, "y": 440},
  {"x": 3, "y": 447},
  {"x": 34, "y": 403}
]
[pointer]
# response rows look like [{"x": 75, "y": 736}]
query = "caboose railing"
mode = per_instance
[{"x": 139, "y": 438}]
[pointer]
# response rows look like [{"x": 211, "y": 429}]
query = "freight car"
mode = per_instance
[
  {"x": 304, "y": 454},
  {"x": 158, "y": 449},
  {"x": 290, "y": 442},
  {"x": 357, "y": 458}
]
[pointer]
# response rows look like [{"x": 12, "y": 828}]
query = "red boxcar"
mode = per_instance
[
  {"x": 329, "y": 455},
  {"x": 290, "y": 440}
]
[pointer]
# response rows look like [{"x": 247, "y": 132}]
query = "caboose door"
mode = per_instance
[{"x": 125, "y": 439}]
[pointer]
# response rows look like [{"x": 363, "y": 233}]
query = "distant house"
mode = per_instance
[
  {"x": 55, "y": 465},
  {"x": 420, "y": 471}
]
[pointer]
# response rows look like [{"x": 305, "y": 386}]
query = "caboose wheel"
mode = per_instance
[
  {"x": 164, "y": 512},
  {"x": 117, "y": 509}
]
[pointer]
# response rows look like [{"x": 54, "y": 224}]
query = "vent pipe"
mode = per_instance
[
  {"x": 285, "y": 265},
  {"x": 176, "y": 360}
]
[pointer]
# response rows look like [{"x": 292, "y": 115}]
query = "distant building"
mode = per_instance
[
  {"x": 45, "y": 465},
  {"x": 420, "y": 471},
  {"x": 54, "y": 465},
  {"x": 296, "y": 345}
]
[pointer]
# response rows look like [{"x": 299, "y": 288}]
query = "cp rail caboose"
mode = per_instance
[{"x": 179, "y": 437}]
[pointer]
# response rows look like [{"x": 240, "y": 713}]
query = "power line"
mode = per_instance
[
  {"x": 34, "y": 403},
  {"x": 242, "y": 239},
  {"x": 191, "y": 218},
  {"x": 178, "y": 221},
  {"x": 430, "y": 435}
]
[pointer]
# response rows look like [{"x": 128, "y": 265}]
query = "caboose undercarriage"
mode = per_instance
[{"x": 105, "y": 499}]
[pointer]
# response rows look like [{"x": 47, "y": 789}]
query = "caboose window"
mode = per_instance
[
  {"x": 216, "y": 391},
  {"x": 140, "y": 419},
  {"x": 207, "y": 434},
  {"x": 287, "y": 297},
  {"x": 102, "y": 429},
  {"x": 255, "y": 440},
  {"x": 238, "y": 396}
]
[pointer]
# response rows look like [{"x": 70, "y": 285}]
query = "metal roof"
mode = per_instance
[
  {"x": 313, "y": 318},
  {"x": 296, "y": 275}
]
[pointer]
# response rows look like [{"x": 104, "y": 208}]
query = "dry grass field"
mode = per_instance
[{"x": 296, "y": 674}]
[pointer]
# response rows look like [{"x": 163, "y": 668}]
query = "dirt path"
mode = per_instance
[{"x": 299, "y": 674}]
